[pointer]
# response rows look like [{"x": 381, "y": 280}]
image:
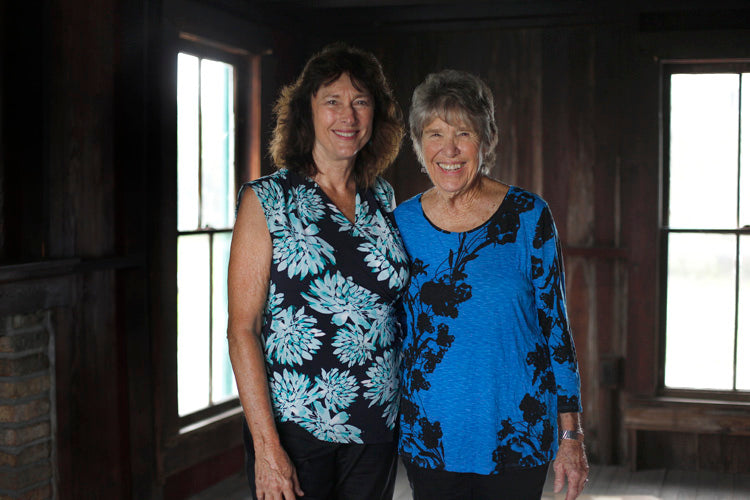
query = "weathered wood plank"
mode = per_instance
[
  {"x": 697, "y": 419},
  {"x": 646, "y": 482}
]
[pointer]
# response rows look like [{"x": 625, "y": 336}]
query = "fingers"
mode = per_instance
[
  {"x": 559, "y": 477},
  {"x": 577, "y": 478},
  {"x": 295, "y": 482},
  {"x": 278, "y": 481},
  {"x": 288, "y": 493},
  {"x": 571, "y": 466},
  {"x": 575, "y": 486}
]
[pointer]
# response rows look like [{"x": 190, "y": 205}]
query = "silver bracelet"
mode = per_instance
[{"x": 574, "y": 435}]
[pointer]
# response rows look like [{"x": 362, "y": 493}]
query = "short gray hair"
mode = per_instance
[{"x": 455, "y": 96}]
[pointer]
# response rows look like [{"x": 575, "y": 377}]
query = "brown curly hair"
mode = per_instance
[{"x": 294, "y": 135}]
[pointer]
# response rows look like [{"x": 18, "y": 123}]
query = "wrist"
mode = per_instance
[{"x": 571, "y": 435}]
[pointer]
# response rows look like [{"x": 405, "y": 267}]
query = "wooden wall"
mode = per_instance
[
  {"x": 559, "y": 136},
  {"x": 578, "y": 100}
]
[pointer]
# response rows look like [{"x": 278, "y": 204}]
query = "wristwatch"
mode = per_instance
[{"x": 574, "y": 435}]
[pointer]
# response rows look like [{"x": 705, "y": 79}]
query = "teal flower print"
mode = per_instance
[
  {"x": 337, "y": 389},
  {"x": 383, "y": 381},
  {"x": 274, "y": 300},
  {"x": 291, "y": 395},
  {"x": 383, "y": 192},
  {"x": 292, "y": 337},
  {"x": 342, "y": 298},
  {"x": 272, "y": 200},
  {"x": 352, "y": 345},
  {"x": 383, "y": 325},
  {"x": 299, "y": 251},
  {"x": 308, "y": 204},
  {"x": 378, "y": 262},
  {"x": 327, "y": 425}
]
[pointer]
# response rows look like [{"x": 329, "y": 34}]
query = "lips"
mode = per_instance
[
  {"x": 345, "y": 135},
  {"x": 450, "y": 167}
]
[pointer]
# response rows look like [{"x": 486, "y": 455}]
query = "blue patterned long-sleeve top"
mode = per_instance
[
  {"x": 330, "y": 332},
  {"x": 489, "y": 361}
]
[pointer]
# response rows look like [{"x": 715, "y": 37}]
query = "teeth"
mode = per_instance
[
  {"x": 450, "y": 166},
  {"x": 346, "y": 134}
]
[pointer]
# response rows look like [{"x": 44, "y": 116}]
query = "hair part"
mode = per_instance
[
  {"x": 458, "y": 98},
  {"x": 294, "y": 134}
]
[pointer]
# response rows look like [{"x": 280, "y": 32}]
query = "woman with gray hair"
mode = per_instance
[{"x": 490, "y": 373}]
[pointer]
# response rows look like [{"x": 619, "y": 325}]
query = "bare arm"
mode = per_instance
[
  {"x": 249, "y": 273},
  {"x": 571, "y": 460}
]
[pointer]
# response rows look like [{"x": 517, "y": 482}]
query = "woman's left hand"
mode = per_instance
[{"x": 571, "y": 463}]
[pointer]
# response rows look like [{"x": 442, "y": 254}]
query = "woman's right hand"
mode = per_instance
[
  {"x": 275, "y": 476},
  {"x": 248, "y": 278}
]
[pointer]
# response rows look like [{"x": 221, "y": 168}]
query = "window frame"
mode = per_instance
[
  {"x": 669, "y": 67},
  {"x": 193, "y": 46},
  {"x": 189, "y": 439}
]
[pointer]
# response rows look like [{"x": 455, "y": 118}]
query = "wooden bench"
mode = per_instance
[{"x": 691, "y": 416}]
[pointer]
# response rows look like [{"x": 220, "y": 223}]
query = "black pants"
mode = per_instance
[
  {"x": 331, "y": 471},
  {"x": 522, "y": 484}
]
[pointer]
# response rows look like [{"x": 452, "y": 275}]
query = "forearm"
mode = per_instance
[
  {"x": 248, "y": 363},
  {"x": 570, "y": 422}
]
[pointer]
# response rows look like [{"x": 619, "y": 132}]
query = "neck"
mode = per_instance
[
  {"x": 463, "y": 201},
  {"x": 337, "y": 175}
]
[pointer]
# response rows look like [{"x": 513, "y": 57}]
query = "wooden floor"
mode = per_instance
[{"x": 605, "y": 483}]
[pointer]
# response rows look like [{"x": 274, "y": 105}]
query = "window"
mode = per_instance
[
  {"x": 217, "y": 150},
  {"x": 707, "y": 227},
  {"x": 205, "y": 200}
]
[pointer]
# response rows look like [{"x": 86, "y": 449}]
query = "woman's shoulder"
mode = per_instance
[
  {"x": 523, "y": 201},
  {"x": 269, "y": 189},
  {"x": 278, "y": 177},
  {"x": 383, "y": 192},
  {"x": 408, "y": 209}
]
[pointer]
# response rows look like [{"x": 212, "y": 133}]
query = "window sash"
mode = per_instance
[
  {"x": 739, "y": 233},
  {"x": 244, "y": 152}
]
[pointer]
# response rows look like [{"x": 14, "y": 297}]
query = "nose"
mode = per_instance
[
  {"x": 451, "y": 146},
  {"x": 348, "y": 115}
]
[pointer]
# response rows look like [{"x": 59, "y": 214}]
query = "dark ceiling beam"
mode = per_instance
[{"x": 379, "y": 16}]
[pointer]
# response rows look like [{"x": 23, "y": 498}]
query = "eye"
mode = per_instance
[
  {"x": 331, "y": 101},
  {"x": 362, "y": 102}
]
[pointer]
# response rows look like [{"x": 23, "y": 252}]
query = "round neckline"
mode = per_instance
[{"x": 477, "y": 228}]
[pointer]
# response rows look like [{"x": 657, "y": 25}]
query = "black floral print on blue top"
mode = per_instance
[
  {"x": 330, "y": 332},
  {"x": 488, "y": 359}
]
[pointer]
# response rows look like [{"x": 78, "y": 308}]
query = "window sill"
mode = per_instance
[
  {"x": 209, "y": 421},
  {"x": 202, "y": 440}
]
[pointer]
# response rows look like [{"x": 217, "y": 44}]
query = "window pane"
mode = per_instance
[
  {"x": 193, "y": 280},
  {"x": 745, "y": 153},
  {"x": 187, "y": 142},
  {"x": 700, "y": 311},
  {"x": 743, "y": 332},
  {"x": 703, "y": 151},
  {"x": 223, "y": 379},
  {"x": 217, "y": 115}
]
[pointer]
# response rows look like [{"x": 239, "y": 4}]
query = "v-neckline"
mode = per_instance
[{"x": 332, "y": 204}]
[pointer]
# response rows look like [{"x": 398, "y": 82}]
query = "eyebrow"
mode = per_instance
[{"x": 336, "y": 94}]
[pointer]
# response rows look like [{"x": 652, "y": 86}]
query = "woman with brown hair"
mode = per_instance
[{"x": 315, "y": 269}]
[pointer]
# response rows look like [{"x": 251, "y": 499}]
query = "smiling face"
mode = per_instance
[
  {"x": 452, "y": 156},
  {"x": 342, "y": 118}
]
